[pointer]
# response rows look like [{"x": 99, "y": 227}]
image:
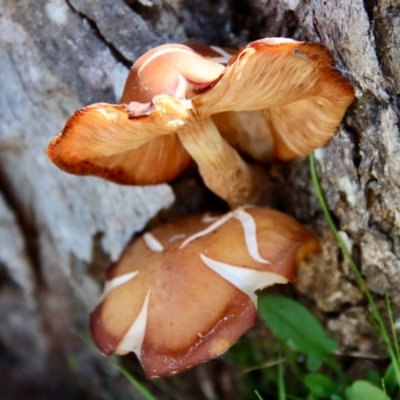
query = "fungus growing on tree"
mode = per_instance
[
  {"x": 272, "y": 98},
  {"x": 184, "y": 292}
]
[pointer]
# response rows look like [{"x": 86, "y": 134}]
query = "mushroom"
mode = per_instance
[
  {"x": 273, "y": 98},
  {"x": 184, "y": 292}
]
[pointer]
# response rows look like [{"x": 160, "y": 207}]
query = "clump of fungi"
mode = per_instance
[{"x": 184, "y": 292}]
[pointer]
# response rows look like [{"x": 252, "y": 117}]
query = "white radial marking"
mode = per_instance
[
  {"x": 152, "y": 243},
  {"x": 249, "y": 226},
  {"x": 225, "y": 55},
  {"x": 207, "y": 218},
  {"x": 209, "y": 229},
  {"x": 118, "y": 281},
  {"x": 180, "y": 92},
  {"x": 219, "y": 60},
  {"x": 250, "y": 234},
  {"x": 177, "y": 237},
  {"x": 133, "y": 339},
  {"x": 212, "y": 227},
  {"x": 245, "y": 279},
  {"x": 278, "y": 40},
  {"x": 165, "y": 51}
]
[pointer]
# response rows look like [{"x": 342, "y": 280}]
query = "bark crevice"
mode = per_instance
[{"x": 118, "y": 55}]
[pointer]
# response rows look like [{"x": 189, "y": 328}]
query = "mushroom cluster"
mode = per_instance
[
  {"x": 184, "y": 292},
  {"x": 273, "y": 98}
]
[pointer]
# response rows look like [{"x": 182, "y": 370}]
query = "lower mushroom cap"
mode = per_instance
[{"x": 184, "y": 293}]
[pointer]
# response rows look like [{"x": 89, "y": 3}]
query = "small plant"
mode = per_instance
[
  {"x": 316, "y": 373},
  {"x": 304, "y": 355},
  {"x": 392, "y": 376},
  {"x": 301, "y": 334}
]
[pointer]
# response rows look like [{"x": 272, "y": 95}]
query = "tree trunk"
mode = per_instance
[{"x": 58, "y": 232}]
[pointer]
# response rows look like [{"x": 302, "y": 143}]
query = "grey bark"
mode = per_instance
[{"x": 58, "y": 232}]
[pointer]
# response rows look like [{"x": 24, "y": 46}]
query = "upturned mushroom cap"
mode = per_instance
[
  {"x": 184, "y": 293},
  {"x": 101, "y": 140},
  {"x": 273, "y": 98},
  {"x": 135, "y": 142},
  {"x": 289, "y": 100}
]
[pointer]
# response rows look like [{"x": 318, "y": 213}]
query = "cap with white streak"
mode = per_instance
[{"x": 184, "y": 292}]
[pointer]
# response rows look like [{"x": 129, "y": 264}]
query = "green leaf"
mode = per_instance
[
  {"x": 297, "y": 327},
  {"x": 314, "y": 361},
  {"x": 373, "y": 377},
  {"x": 319, "y": 385},
  {"x": 363, "y": 390},
  {"x": 390, "y": 378}
]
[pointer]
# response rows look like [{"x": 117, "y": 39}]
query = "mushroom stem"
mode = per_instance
[{"x": 223, "y": 170}]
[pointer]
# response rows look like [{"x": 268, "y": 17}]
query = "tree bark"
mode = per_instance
[{"x": 58, "y": 232}]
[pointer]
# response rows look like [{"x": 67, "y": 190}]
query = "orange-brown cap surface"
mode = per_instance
[
  {"x": 135, "y": 142},
  {"x": 287, "y": 90},
  {"x": 183, "y": 293},
  {"x": 273, "y": 98},
  {"x": 101, "y": 140}
]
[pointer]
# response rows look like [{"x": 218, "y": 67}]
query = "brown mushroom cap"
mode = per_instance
[
  {"x": 101, "y": 140},
  {"x": 289, "y": 91},
  {"x": 183, "y": 293},
  {"x": 275, "y": 97},
  {"x": 135, "y": 142},
  {"x": 160, "y": 71}
]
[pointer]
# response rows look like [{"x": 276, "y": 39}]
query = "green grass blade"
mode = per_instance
[
  {"x": 258, "y": 395},
  {"x": 342, "y": 245},
  {"x": 383, "y": 386},
  {"x": 136, "y": 384},
  {"x": 392, "y": 327},
  {"x": 360, "y": 280},
  {"x": 281, "y": 382}
]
